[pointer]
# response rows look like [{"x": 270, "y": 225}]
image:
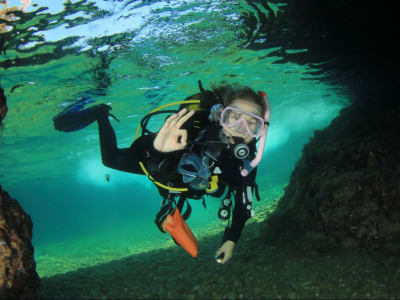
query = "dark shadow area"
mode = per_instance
[
  {"x": 341, "y": 196},
  {"x": 351, "y": 42}
]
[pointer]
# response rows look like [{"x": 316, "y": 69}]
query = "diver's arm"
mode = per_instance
[
  {"x": 239, "y": 218},
  {"x": 225, "y": 253},
  {"x": 240, "y": 213}
]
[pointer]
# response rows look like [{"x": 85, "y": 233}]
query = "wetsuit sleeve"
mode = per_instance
[
  {"x": 239, "y": 218},
  {"x": 240, "y": 213}
]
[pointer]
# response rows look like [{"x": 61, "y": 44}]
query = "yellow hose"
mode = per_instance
[
  {"x": 165, "y": 106},
  {"x": 159, "y": 183}
]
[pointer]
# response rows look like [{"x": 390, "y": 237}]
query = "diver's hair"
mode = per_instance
[{"x": 227, "y": 93}]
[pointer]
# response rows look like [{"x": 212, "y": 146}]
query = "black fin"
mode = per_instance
[{"x": 75, "y": 119}]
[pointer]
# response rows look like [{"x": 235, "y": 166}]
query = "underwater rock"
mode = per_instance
[
  {"x": 18, "y": 277},
  {"x": 343, "y": 195},
  {"x": 3, "y": 105}
]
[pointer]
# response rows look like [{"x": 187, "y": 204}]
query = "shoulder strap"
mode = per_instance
[
  {"x": 256, "y": 191},
  {"x": 185, "y": 215}
]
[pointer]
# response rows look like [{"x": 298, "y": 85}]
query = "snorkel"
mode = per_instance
[{"x": 248, "y": 167}]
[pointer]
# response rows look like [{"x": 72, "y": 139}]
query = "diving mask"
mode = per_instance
[{"x": 242, "y": 122}]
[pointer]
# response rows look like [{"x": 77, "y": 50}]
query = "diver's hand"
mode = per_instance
[
  {"x": 171, "y": 137},
  {"x": 227, "y": 251}
]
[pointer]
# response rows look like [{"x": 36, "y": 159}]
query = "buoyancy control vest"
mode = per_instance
[{"x": 198, "y": 164}]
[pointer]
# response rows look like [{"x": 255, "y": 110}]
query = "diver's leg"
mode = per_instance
[
  {"x": 74, "y": 118},
  {"x": 112, "y": 157},
  {"x": 107, "y": 137},
  {"x": 125, "y": 159}
]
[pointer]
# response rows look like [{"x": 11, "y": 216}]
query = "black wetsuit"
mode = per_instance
[{"x": 142, "y": 150}]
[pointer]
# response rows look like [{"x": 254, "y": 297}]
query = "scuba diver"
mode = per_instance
[{"x": 206, "y": 147}]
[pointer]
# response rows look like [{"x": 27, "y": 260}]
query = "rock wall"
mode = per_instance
[
  {"x": 18, "y": 277},
  {"x": 344, "y": 192}
]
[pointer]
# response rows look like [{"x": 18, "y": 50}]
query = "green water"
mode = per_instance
[{"x": 81, "y": 219}]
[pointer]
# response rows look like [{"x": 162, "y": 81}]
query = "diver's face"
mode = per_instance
[{"x": 247, "y": 106}]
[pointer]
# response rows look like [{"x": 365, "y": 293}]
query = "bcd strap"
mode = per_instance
[
  {"x": 246, "y": 195},
  {"x": 180, "y": 204},
  {"x": 229, "y": 192},
  {"x": 188, "y": 211},
  {"x": 256, "y": 190},
  {"x": 204, "y": 202},
  {"x": 168, "y": 208}
]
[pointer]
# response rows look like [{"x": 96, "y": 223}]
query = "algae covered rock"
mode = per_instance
[
  {"x": 18, "y": 276},
  {"x": 343, "y": 193}
]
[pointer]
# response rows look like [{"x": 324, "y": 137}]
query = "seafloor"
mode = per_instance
[{"x": 255, "y": 272}]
